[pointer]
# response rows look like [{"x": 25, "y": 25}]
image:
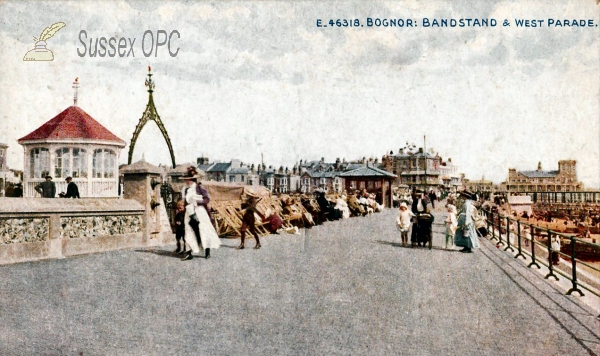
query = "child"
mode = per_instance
[
  {"x": 403, "y": 221},
  {"x": 180, "y": 227},
  {"x": 451, "y": 225}
]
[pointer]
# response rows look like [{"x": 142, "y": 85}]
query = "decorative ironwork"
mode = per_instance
[
  {"x": 76, "y": 87},
  {"x": 150, "y": 114}
]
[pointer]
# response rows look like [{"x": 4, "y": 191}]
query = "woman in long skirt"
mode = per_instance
[{"x": 466, "y": 235}]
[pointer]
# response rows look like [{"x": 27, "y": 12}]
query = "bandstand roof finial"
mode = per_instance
[
  {"x": 149, "y": 82},
  {"x": 76, "y": 87}
]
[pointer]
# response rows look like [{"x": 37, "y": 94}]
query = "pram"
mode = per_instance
[
  {"x": 423, "y": 229},
  {"x": 480, "y": 224}
]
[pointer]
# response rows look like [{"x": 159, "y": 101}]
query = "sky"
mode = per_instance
[{"x": 254, "y": 78}]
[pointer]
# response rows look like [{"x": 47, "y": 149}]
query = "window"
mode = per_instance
[
  {"x": 352, "y": 184},
  {"x": 305, "y": 181},
  {"x": 104, "y": 164},
  {"x": 242, "y": 178},
  {"x": 270, "y": 181},
  {"x": 39, "y": 162},
  {"x": 361, "y": 185},
  {"x": 370, "y": 184},
  {"x": 79, "y": 160},
  {"x": 62, "y": 163},
  {"x": 231, "y": 179}
]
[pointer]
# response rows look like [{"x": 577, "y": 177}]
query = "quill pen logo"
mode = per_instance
[{"x": 40, "y": 52}]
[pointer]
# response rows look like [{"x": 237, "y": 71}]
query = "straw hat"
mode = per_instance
[{"x": 192, "y": 173}]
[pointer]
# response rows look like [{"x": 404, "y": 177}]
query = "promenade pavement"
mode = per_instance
[{"x": 343, "y": 288}]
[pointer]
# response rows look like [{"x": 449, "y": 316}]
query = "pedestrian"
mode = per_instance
[
  {"x": 180, "y": 227},
  {"x": 46, "y": 189},
  {"x": 198, "y": 221},
  {"x": 451, "y": 225},
  {"x": 466, "y": 236},
  {"x": 72, "y": 189},
  {"x": 432, "y": 198},
  {"x": 404, "y": 221},
  {"x": 418, "y": 207},
  {"x": 248, "y": 221},
  {"x": 555, "y": 244}
]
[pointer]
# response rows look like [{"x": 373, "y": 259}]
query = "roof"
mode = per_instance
[
  {"x": 205, "y": 167},
  {"x": 219, "y": 167},
  {"x": 539, "y": 174},
  {"x": 242, "y": 170},
  {"x": 367, "y": 171},
  {"x": 323, "y": 174},
  {"x": 72, "y": 123},
  {"x": 140, "y": 166}
]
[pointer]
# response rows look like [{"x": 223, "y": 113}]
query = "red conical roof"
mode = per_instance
[{"x": 72, "y": 123}]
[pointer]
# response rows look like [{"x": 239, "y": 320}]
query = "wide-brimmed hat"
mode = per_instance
[
  {"x": 69, "y": 177},
  {"x": 48, "y": 176},
  {"x": 467, "y": 194},
  {"x": 192, "y": 173},
  {"x": 403, "y": 205}
]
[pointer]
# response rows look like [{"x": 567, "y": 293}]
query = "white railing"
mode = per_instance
[{"x": 98, "y": 189}]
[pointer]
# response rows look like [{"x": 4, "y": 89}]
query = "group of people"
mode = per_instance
[
  {"x": 194, "y": 222},
  {"x": 47, "y": 189},
  {"x": 461, "y": 230}
]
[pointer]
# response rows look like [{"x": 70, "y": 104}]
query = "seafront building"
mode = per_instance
[{"x": 562, "y": 180}]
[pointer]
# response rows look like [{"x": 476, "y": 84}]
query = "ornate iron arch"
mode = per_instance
[{"x": 150, "y": 114}]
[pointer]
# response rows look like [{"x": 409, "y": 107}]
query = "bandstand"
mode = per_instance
[{"x": 72, "y": 144}]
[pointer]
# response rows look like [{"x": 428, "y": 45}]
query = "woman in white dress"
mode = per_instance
[{"x": 196, "y": 211}]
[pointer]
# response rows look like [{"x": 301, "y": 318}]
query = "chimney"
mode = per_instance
[
  {"x": 322, "y": 159},
  {"x": 420, "y": 149},
  {"x": 449, "y": 159}
]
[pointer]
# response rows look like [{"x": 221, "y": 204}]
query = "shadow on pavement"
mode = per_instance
[
  {"x": 397, "y": 244},
  {"x": 161, "y": 253}
]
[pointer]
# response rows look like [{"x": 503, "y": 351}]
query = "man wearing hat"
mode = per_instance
[
  {"x": 72, "y": 190},
  {"x": 418, "y": 208},
  {"x": 466, "y": 235},
  {"x": 46, "y": 189},
  {"x": 197, "y": 219}
]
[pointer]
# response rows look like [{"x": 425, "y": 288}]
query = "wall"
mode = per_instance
[{"x": 36, "y": 228}]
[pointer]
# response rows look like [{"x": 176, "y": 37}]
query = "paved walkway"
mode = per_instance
[{"x": 344, "y": 288}]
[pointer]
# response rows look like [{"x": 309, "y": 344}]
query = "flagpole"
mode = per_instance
[{"x": 425, "y": 152}]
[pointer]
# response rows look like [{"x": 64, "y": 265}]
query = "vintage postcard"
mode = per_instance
[{"x": 301, "y": 127}]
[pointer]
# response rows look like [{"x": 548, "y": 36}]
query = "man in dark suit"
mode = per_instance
[
  {"x": 72, "y": 190},
  {"x": 46, "y": 189}
]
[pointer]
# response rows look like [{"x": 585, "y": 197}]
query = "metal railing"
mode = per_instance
[{"x": 504, "y": 229}]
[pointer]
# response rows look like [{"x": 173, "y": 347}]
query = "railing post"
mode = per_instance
[
  {"x": 533, "y": 261},
  {"x": 550, "y": 262},
  {"x": 575, "y": 287},
  {"x": 492, "y": 224},
  {"x": 519, "y": 240},
  {"x": 500, "y": 242},
  {"x": 508, "y": 246},
  {"x": 487, "y": 220}
]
